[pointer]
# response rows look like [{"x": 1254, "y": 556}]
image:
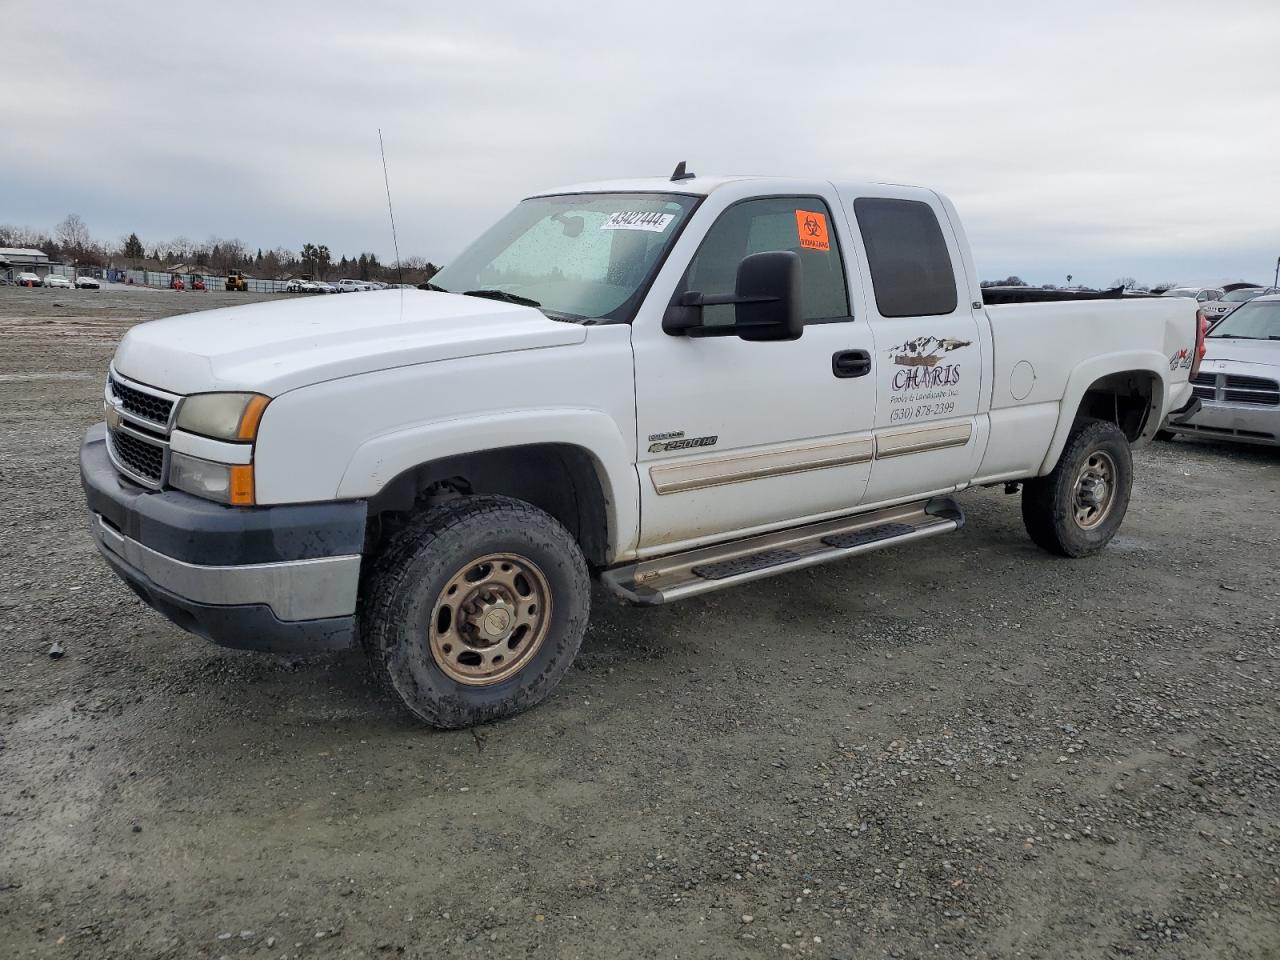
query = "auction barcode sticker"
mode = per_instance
[{"x": 637, "y": 220}]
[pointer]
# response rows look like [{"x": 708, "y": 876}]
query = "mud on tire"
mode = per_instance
[
  {"x": 443, "y": 551},
  {"x": 1059, "y": 511}
]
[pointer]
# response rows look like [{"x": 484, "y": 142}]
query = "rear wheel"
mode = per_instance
[
  {"x": 475, "y": 610},
  {"x": 1077, "y": 509}
]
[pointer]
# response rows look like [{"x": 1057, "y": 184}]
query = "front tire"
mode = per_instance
[
  {"x": 1077, "y": 508},
  {"x": 475, "y": 610}
]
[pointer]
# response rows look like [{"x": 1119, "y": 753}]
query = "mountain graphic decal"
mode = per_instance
[{"x": 925, "y": 351}]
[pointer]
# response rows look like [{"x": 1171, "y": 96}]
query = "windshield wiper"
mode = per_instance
[
  {"x": 432, "y": 287},
  {"x": 503, "y": 296}
]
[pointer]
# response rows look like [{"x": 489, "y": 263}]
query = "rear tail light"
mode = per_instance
[{"x": 1202, "y": 327}]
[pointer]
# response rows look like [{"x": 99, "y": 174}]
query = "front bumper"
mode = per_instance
[
  {"x": 1247, "y": 423},
  {"x": 282, "y": 579}
]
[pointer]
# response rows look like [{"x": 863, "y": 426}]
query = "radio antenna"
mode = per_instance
[{"x": 391, "y": 213}]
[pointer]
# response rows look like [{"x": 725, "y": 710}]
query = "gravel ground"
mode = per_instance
[{"x": 966, "y": 748}]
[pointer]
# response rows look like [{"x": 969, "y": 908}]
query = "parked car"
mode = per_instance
[
  {"x": 322, "y": 287},
  {"x": 302, "y": 286},
  {"x": 86, "y": 282},
  {"x": 353, "y": 286},
  {"x": 1215, "y": 310},
  {"x": 1238, "y": 384},
  {"x": 1198, "y": 294},
  {"x": 26, "y": 279},
  {"x": 691, "y": 386},
  {"x": 58, "y": 282}
]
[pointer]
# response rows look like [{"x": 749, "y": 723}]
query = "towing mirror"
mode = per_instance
[{"x": 766, "y": 301}]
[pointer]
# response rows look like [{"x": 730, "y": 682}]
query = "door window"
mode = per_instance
[
  {"x": 801, "y": 225},
  {"x": 911, "y": 270}
]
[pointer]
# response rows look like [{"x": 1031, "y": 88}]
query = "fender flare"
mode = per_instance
[
  {"x": 381, "y": 459},
  {"x": 1090, "y": 372}
]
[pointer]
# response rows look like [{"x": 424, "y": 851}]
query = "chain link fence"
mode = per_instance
[{"x": 160, "y": 278}]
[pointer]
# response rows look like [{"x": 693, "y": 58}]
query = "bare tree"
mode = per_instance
[{"x": 72, "y": 235}]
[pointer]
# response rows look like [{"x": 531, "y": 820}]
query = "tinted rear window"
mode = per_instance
[{"x": 911, "y": 270}]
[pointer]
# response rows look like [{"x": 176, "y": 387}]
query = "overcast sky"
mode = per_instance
[{"x": 1100, "y": 139}]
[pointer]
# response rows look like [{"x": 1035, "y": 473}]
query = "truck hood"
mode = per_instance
[
  {"x": 275, "y": 347},
  {"x": 1241, "y": 351}
]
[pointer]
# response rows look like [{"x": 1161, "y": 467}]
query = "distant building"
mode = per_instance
[{"x": 15, "y": 260}]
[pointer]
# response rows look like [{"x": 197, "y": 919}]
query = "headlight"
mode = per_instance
[
  {"x": 223, "y": 416},
  {"x": 225, "y": 482}
]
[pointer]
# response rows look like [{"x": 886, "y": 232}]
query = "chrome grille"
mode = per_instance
[
  {"x": 1204, "y": 386},
  {"x": 138, "y": 423},
  {"x": 1257, "y": 390},
  {"x": 141, "y": 458},
  {"x": 147, "y": 406},
  {"x": 1233, "y": 388}
]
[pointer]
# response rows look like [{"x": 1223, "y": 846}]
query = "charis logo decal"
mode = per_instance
[
  {"x": 927, "y": 382},
  {"x": 923, "y": 359}
]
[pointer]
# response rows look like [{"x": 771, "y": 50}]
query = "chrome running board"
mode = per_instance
[{"x": 692, "y": 572}]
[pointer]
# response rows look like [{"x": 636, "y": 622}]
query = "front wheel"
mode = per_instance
[
  {"x": 1077, "y": 508},
  {"x": 475, "y": 610}
]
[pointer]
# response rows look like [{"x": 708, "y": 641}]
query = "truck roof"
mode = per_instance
[{"x": 702, "y": 186}]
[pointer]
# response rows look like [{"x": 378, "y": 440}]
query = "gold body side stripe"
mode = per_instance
[
  {"x": 678, "y": 477},
  {"x": 681, "y": 477},
  {"x": 919, "y": 439}
]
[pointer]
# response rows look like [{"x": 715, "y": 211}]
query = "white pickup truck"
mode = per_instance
[{"x": 673, "y": 386}]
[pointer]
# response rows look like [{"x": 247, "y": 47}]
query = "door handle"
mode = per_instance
[{"x": 851, "y": 363}]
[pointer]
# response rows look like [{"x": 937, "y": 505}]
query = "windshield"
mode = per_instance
[
  {"x": 1239, "y": 296},
  {"x": 1251, "y": 321},
  {"x": 575, "y": 257}
]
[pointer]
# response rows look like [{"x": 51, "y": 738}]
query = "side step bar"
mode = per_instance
[{"x": 692, "y": 572}]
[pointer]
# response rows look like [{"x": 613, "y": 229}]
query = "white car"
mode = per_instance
[
  {"x": 674, "y": 386},
  {"x": 25, "y": 279},
  {"x": 322, "y": 287},
  {"x": 87, "y": 283},
  {"x": 302, "y": 286},
  {"x": 1217, "y": 309},
  {"x": 1199, "y": 294},
  {"x": 353, "y": 286},
  {"x": 1238, "y": 384},
  {"x": 61, "y": 283}
]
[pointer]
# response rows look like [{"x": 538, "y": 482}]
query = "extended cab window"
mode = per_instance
[
  {"x": 799, "y": 224},
  {"x": 911, "y": 271}
]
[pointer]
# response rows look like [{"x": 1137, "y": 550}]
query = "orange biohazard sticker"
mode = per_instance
[{"x": 812, "y": 228}]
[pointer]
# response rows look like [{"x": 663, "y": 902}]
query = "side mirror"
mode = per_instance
[{"x": 766, "y": 301}]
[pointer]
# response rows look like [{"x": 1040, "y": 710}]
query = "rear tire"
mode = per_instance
[
  {"x": 1077, "y": 508},
  {"x": 474, "y": 611}
]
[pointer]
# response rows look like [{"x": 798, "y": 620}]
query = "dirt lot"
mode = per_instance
[{"x": 966, "y": 748}]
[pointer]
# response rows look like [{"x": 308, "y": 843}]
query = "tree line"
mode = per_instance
[
  {"x": 1128, "y": 283},
  {"x": 71, "y": 242}
]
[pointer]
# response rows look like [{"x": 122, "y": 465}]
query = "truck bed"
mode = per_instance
[{"x": 997, "y": 295}]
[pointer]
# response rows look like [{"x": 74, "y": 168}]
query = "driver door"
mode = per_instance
[{"x": 737, "y": 436}]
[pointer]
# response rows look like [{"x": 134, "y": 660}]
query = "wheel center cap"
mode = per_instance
[
  {"x": 496, "y": 623},
  {"x": 1093, "y": 491}
]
